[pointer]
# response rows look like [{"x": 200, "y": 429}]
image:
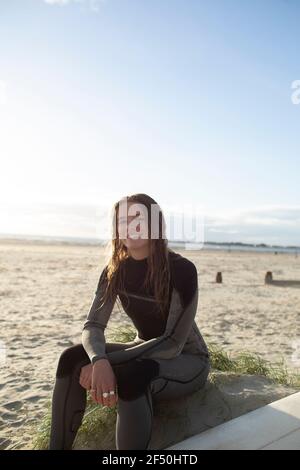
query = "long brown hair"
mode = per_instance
[{"x": 158, "y": 273}]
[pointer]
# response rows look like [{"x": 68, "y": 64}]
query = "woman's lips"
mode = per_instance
[{"x": 133, "y": 237}]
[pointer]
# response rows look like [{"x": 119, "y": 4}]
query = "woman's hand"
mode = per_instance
[
  {"x": 103, "y": 380},
  {"x": 85, "y": 378}
]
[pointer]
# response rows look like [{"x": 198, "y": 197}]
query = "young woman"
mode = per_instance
[{"x": 158, "y": 290}]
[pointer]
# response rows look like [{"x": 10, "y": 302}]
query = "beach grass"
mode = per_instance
[
  {"x": 101, "y": 419},
  {"x": 253, "y": 364}
]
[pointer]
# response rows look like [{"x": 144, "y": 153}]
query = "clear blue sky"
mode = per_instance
[{"x": 186, "y": 100}]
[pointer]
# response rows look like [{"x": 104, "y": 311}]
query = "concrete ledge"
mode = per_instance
[{"x": 272, "y": 427}]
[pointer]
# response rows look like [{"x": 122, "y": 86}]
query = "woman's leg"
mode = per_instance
[
  {"x": 69, "y": 397},
  {"x": 177, "y": 377},
  {"x": 180, "y": 376}
]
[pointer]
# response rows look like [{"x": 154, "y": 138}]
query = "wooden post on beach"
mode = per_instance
[
  {"x": 268, "y": 277},
  {"x": 219, "y": 278}
]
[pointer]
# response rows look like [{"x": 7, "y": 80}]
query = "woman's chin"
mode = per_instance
[{"x": 134, "y": 243}]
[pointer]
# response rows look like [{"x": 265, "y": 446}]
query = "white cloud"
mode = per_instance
[
  {"x": 48, "y": 219},
  {"x": 3, "y": 92},
  {"x": 266, "y": 224},
  {"x": 264, "y": 215},
  {"x": 94, "y": 5},
  {"x": 60, "y": 2}
]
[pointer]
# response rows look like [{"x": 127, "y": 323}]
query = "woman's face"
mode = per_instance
[{"x": 133, "y": 227}]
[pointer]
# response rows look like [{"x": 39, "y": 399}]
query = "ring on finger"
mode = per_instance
[{"x": 108, "y": 394}]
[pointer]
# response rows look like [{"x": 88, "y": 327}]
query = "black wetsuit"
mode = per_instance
[{"x": 168, "y": 357}]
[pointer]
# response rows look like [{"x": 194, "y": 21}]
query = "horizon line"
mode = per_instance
[{"x": 94, "y": 240}]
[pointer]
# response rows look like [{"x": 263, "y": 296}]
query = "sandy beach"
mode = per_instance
[{"x": 46, "y": 291}]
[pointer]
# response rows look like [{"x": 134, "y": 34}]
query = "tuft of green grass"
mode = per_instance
[
  {"x": 120, "y": 334},
  {"x": 99, "y": 421},
  {"x": 253, "y": 364},
  {"x": 42, "y": 434}
]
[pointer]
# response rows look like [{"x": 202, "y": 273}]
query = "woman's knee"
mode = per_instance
[
  {"x": 176, "y": 387},
  {"x": 70, "y": 358}
]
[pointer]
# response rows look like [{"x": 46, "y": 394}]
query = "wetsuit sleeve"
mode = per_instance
[
  {"x": 92, "y": 338},
  {"x": 182, "y": 312}
]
